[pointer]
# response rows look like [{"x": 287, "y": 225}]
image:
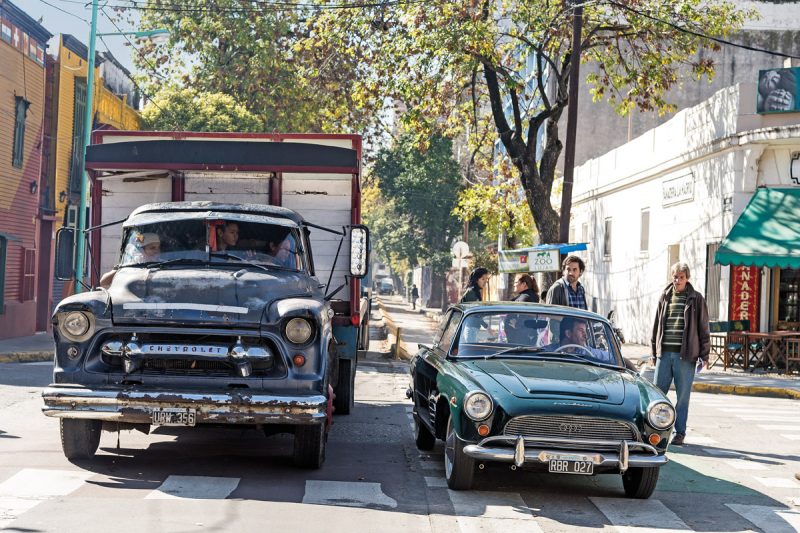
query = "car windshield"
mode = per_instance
[
  {"x": 527, "y": 334},
  {"x": 215, "y": 241}
]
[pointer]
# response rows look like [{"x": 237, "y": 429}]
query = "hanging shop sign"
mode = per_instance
[
  {"x": 745, "y": 295},
  {"x": 528, "y": 261}
]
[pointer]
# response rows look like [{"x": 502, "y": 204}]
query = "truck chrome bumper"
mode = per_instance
[
  {"x": 218, "y": 407},
  {"x": 524, "y": 451}
]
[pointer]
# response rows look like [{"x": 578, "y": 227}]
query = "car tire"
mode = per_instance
[
  {"x": 640, "y": 482},
  {"x": 309, "y": 445},
  {"x": 80, "y": 438},
  {"x": 345, "y": 388},
  {"x": 459, "y": 469},
  {"x": 422, "y": 436}
]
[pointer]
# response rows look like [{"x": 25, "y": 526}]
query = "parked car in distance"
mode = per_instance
[
  {"x": 386, "y": 286},
  {"x": 541, "y": 387}
]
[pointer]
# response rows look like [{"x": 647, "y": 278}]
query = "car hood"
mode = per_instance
[
  {"x": 213, "y": 297},
  {"x": 553, "y": 379}
]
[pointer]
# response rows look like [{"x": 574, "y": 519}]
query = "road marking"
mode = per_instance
[
  {"x": 754, "y": 411},
  {"x": 628, "y": 515},
  {"x": 368, "y": 369},
  {"x": 29, "y": 487},
  {"x": 39, "y": 363},
  {"x": 435, "y": 482},
  {"x": 699, "y": 440},
  {"x": 432, "y": 465},
  {"x": 194, "y": 488},
  {"x": 789, "y": 436},
  {"x": 769, "y": 418},
  {"x": 492, "y": 512},
  {"x": 744, "y": 464},
  {"x": 717, "y": 451},
  {"x": 346, "y": 494},
  {"x": 778, "y": 482},
  {"x": 772, "y": 519},
  {"x": 771, "y": 427}
]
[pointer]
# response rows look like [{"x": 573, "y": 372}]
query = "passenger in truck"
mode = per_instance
[
  {"x": 146, "y": 248},
  {"x": 227, "y": 236},
  {"x": 282, "y": 252}
]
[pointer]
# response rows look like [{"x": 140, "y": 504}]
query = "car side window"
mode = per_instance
[
  {"x": 449, "y": 331},
  {"x": 600, "y": 340}
]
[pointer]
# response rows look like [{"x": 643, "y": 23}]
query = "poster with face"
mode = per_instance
[{"x": 777, "y": 90}]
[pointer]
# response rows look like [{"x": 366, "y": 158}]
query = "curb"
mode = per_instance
[
  {"x": 26, "y": 357},
  {"x": 747, "y": 390}
]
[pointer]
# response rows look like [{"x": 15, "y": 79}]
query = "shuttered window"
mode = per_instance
[
  {"x": 28, "y": 281},
  {"x": 20, "y": 112},
  {"x": 78, "y": 135}
]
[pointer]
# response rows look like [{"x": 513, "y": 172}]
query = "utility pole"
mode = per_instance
[{"x": 572, "y": 119}]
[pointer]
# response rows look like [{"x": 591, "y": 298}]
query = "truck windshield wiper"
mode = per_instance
[
  {"x": 226, "y": 255},
  {"x": 159, "y": 264}
]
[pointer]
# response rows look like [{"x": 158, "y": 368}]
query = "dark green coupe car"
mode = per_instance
[{"x": 537, "y": 386}]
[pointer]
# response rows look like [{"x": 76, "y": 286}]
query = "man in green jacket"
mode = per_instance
[{"x": 681, "y": 342}]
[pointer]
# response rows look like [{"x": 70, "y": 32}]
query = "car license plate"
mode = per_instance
[
  {"x": 564, "y": 466},
  {"x": 172, "y": 416}
]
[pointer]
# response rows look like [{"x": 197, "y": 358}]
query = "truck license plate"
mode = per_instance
[
  {"x": 563, "y": 466},
  {"x": 172, "y": 416}
]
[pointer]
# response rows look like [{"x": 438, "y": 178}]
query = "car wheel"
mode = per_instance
[
  {"x": 424, "y": 438},
  {"x": 459, "y": 469},
  {"x": 309, "y": 445},
  {"x": 345, "y": 388},
  {"x": 80, "y": 438},
  {"x": 640, "y": 482}
]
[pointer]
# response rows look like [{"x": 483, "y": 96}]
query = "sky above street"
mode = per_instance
[{"x": 73, "y": 17}]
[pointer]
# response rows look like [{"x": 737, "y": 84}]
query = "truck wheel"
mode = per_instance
[
  {"x": 363, "y": 337},
  {"x": 345, "y": 387},
  {"x": 80, "y": 438},
  {"x": 459, "y": 468},
  {"x": 309, "y": 445},
  {"x": 640, "y": 482}
]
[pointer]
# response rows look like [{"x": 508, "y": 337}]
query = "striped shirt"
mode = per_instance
[
  {"x": 675, "y": 323},
  {"x": 576, "y": 298}
]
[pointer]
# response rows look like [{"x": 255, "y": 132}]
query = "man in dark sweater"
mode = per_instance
[{"x": 681, "y": 342}]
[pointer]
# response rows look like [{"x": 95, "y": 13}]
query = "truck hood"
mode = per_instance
[
  {"x": 198, "y": 296},
  {"x": 554, "y": 379}
]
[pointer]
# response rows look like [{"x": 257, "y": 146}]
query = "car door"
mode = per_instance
[{"x": 429, "y": 363}]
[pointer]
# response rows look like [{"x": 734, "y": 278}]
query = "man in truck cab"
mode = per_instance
[{"x": 145, "y": 248}]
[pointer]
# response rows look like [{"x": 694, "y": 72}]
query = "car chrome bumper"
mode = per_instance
[
  {"x": 530, "y": 451},
  {"x": 216, "y": 408}
]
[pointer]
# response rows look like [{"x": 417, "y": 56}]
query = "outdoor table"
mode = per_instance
[{"x": 772, "y": 345}]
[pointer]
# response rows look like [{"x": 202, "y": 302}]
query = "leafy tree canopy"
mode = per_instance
[{"x": 191, "y": 110}]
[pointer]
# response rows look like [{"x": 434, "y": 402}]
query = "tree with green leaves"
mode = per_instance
[
  {"x": 191, "y": 110},
  {"x": 455, "y": 63}
]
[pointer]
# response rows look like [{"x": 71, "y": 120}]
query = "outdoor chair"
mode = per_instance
[
  {"x": 792, "y": 346},
  {"x": 719, "y": 339}
]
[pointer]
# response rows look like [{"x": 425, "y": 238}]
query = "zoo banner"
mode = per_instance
[
  {"x": 745, "y": 297},
  {"x": 527, "y": 261}
]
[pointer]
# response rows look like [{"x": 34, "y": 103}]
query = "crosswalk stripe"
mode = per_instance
[
  {"x": 744, "y": 464},
  {"x": 194, "y": 488},
  {"x": 29, "y": 487},
  {"x": 779, "y": 427},
  {"x": 435, "y": 482},
  {"x": 778, "y": 482},
  {"x": 755, "y": 411},
  {"x": 769, "y": 418},
  {"x": 492, "y": 512},
  {"x": 716, "y": 451},
  {"x": 346, "y": 494},
  {"x": 699, "y": 440},
  {"x": 790, "y": 436},
  {"x": 629, "y": 516},
  {"x": 772, "y": 519}
]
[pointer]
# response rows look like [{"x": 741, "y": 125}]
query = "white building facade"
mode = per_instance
[{"x": 673, "y": 194}]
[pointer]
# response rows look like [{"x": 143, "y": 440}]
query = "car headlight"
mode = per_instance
[
  {"x": 660, "y": 414},
  {"x": 298, "y": 330},
  {"x": 478, "y": 405},
  {"x": 77, "y": 325}
]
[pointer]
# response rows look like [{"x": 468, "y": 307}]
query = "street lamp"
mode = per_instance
[{"x": 158, "y": 37}]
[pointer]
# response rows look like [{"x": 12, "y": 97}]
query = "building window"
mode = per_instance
[
  {"x": 571, "y": 236},
  {"x": 607, "y": 240},
  {"x": 713, "y": 275},
  {"x": 3, "y": 249},
  {"x": 789, "y": 295},
  {"x": 644, "y": 234},
  {"x": 28, "y": 281},
  {"x": 584, "y": 232},
  {"x": 78, "y": 135},
  {"x": 20, "y": 112}
]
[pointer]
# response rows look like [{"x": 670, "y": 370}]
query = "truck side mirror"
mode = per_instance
[
  {"x": 65, "y": 254},
  {"x": 359, "y": 250}
]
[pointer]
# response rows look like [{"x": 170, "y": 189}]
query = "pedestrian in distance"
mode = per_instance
[
  {"x": 477, "y": 281},
  {"x": 414, "y": 296},
  {"x": 568, "y": 290},
  {"x": 680, "y": 342},
  {"x": 526, "y": 288}
]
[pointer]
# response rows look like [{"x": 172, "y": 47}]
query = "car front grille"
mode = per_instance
[{"x": 569, "y": 427}]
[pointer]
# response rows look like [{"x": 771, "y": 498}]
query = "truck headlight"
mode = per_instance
[
  {"x": 77, "y": 326},
  {"x": 298, "y": 330},
  {"x": 478, "y": 405},
  {"x": 661, "y": 414}
]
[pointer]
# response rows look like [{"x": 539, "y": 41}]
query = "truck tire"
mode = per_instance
[
  {"x": 309, "y": 445},
  {"x": 640, "y": 482},
  {"x": 79, "y": 438},
  {"x": 363, "y": 337},
  {"x": 345, "y": 387}
]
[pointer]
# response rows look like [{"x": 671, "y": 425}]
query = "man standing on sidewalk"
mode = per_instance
[
  {"x": 568, "y": 290},
  {"x": 680, "y": 342},
  {"x": 414, "y": 296}
]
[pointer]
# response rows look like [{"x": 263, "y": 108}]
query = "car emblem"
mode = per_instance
[{"x": 571, "y": 428}]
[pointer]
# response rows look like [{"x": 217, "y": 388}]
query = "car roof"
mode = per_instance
[{"x": 476, "y": 307}]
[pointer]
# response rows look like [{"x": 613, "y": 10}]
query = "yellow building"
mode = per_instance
[{"x": 113, "y": 103}]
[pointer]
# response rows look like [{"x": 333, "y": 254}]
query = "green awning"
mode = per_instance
[{"x": 767, "y": 233}]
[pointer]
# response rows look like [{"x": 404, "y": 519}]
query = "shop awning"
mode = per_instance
[{"x": 767, "y": 233}]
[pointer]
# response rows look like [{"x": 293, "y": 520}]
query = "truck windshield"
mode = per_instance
[{"x": 214, "y": 241}]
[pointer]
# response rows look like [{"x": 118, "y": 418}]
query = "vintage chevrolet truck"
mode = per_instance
[{"x": 228, "y": 298}]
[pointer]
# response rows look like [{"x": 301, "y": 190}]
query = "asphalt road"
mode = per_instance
[{"x": 737, "y": 474}]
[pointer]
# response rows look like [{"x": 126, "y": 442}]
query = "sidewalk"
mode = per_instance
[
  {"x": 715, "y": 380},
  {"x": 38, "y": 347}
]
